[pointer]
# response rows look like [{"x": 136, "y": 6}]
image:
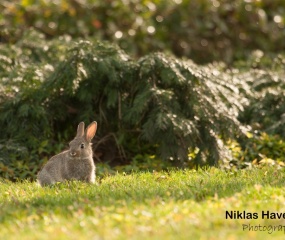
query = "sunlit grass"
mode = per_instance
[{"x": 165, "y": 205}]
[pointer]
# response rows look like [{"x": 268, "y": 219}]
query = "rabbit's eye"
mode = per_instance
[{"x": 82, "y": 145}]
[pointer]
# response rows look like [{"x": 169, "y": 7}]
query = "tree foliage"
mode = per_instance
[
  {"x": 265, "y": 76},
  {"x": 170, "y": 104},
  {"x": 203, "y": 30}
]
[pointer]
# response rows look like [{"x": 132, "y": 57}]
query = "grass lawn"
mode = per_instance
[{"x": 162, "y": 205}]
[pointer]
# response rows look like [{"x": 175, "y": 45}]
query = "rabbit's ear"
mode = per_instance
[
  {"x": 91, "y": 130},
  {"x": 80, "y": 130}
]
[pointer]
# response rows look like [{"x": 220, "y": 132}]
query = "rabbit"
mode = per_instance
[{"x": 73, "y": 164}]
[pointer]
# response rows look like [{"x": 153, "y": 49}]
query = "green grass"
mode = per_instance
[{"x": 164, "y": 205}]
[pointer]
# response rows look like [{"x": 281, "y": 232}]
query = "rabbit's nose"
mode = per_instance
[{"x": 73, "y": 154}]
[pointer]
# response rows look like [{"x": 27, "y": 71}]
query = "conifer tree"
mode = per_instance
[{"x": 172, "y": 104}]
